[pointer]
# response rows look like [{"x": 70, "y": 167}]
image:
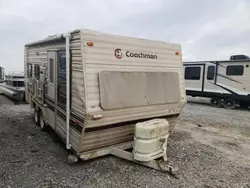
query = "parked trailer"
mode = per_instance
[
  {"x": 104, "y": 94},
  {"x": 227, "y": 83}
]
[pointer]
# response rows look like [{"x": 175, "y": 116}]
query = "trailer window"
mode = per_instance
[
  {"x": 210, "y": 72},
  {"x": 192, "y": 73},
  {"x": 29, "y": 70},
  {"x": 51, "y": 70},
  {"x": 18, "y": 83},
  {"x": 37, "y": 72},
  {"x": 61, "y": 78},
  {"x": 235, "y": 70}
]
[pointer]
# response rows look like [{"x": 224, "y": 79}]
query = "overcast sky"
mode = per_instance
[{"x": 206, "y": 29}]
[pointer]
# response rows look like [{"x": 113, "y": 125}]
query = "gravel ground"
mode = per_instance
[
  {"x": 200, "y": 112},
  {"x": 204, "y": 147}
]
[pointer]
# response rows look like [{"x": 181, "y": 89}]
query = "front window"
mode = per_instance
[{"x": 192, "y": 73}]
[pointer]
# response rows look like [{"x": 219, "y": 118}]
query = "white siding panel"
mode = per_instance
[
  {"x": 105, "y": 48},
  {"x": 101, "y": 57},
  {"x": 78, "y": 88},
  {"x": 112, "y": 117},
  {"x": 116, "y": 41}
]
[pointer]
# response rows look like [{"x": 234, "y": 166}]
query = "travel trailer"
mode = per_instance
[
  {"x": 104, "y": 94},
  {"x": 1, "y": 74},
  {"x": 227, "y": 83},
  {"x": 13, "y": 87}
]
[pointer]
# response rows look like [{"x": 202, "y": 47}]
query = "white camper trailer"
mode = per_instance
[
  {"x": 227, "y": 83},
  {"x": 104, "y": 94}
]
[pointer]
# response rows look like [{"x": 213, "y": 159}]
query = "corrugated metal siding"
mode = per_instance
[
  {"x": 107, "y": 137},
  {"x": 111, "y": 117},
  {"x": 78, "y": 91},
  {"x": 112, "y": 136},
  {"x": 101, "y": 57},
  {"x": 38, "y": 55},
  {"x": 73, "y": 134}
]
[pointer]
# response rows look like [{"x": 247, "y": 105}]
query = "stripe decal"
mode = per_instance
[
  {"x": 217, "y": 63},
  {"x": 229, "y": 90},
  {"x": 90, "y": 129},
  {"x": 223, "y": 76},
  {"x": 77, "y": 127}
]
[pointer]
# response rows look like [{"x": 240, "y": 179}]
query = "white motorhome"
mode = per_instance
[
  {"x": 227, "y": 83},
  {"x": 104, "y": 94}
]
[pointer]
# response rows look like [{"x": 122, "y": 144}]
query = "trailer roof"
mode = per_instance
[
  {"x": 59, "y": 37},
  {"x": 45, "y": 40}
]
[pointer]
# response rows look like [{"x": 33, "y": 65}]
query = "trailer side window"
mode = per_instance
[
  {"x": 29, "y": 70},
  {"x": 210, "y": 72},
  {"x": 51, "y": 70},
  {"x": 37, "y": 72},
  {"x": 235, "y": 70},
  {"x": 61, "y": 78},
  {"x": 192, "y": 73}
]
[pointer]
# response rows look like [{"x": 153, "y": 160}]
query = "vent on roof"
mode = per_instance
[{"x": 239, "y": 57}]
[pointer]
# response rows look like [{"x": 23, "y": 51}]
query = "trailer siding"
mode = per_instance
[
  {"x": 116, "y": 126},
  {"x": 37, "y": 54},
  {"x": 101, "y": 57}
]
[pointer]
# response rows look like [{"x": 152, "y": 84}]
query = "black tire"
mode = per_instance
[
  {"x": 216, "y": 102},
  {"x": 229, "y": 103},
  {"x": 244, "y": 104},
  {"x": 37, "y": 116}
]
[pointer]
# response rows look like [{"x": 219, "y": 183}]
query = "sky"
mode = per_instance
[{"x": 206, "y": 30}]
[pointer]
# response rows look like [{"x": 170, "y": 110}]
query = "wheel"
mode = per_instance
[
  {"x": 37, "y": 117},
  {"x": 216, "y": 102},
  {"x": 42, "y": 122},
  {"x": 229, "y": 103},
  {"x": 244, "y": 104}
]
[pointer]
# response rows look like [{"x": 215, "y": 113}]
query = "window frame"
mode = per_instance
[
  {"x": 190, "y": 78},
  {"x": 212, "y": 74},
  {"x": 51, "y": 72},
  {"x": 61, "y": 77},
  {"x": 29, "y": 70},
  {"x": 37, "y": 72},
  {"x": 228, "y": 73}
]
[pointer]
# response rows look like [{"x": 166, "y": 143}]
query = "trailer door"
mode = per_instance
[
  {"x": 51, "y": 74},
  {"x": 209, "y": 81},
  {"x": 194, "y": 75}
]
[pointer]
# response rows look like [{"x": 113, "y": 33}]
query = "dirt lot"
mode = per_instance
[{"x": 210, "y": 146}]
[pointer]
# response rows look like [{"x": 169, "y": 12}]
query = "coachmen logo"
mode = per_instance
[{"x": 118, "y": 54}]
